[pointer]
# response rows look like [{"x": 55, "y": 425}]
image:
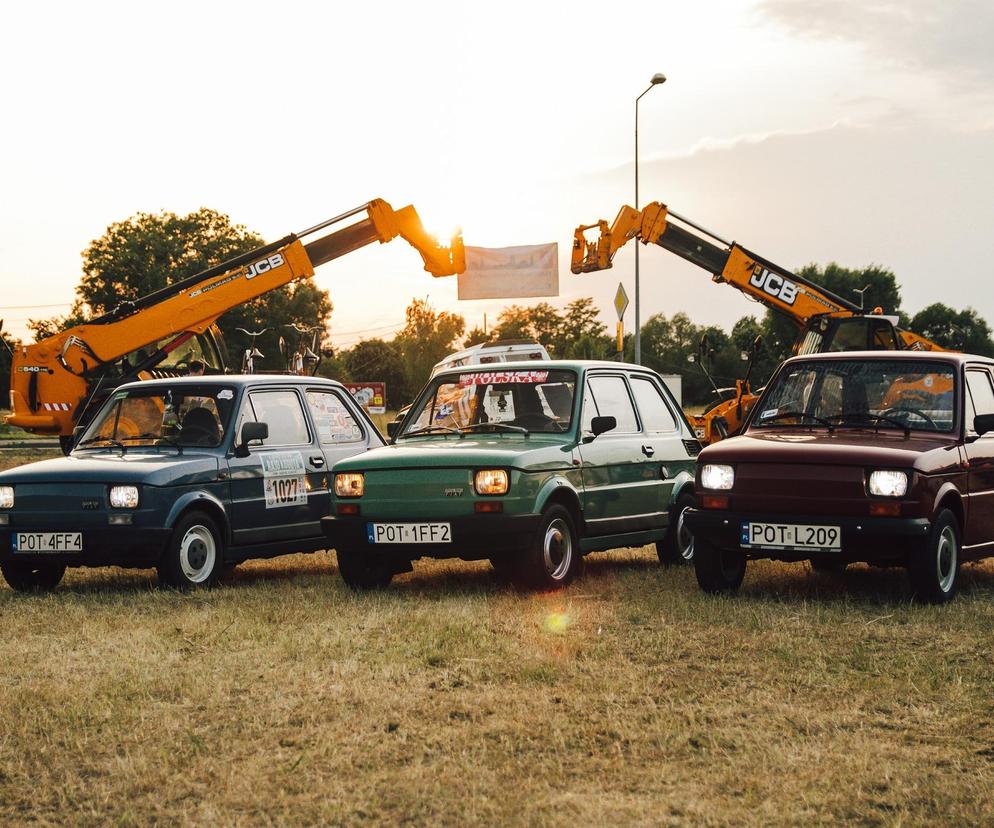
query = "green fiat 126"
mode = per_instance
[{"x": 530, "y": 466}]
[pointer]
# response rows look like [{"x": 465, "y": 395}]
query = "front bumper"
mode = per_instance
[
  {"x": 129, "y": 546},
  {"x": 869, "y": 539},
  {"x": 474, "y": 537}
]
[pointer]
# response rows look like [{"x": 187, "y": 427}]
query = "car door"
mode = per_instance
[
  {"x": 280, "y": 491},
  {"x": 342, "y": 430},
  {"x": 979, "y": 396},
  {"x": 619, "y": 492},
  {"x": 662, "y": 438}
]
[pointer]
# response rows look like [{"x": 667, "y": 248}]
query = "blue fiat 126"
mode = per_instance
[{"x": 188, "y": 475}]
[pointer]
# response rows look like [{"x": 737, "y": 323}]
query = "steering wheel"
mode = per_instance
[
  {"x": 535, "y": 420},
  {"x": 194, "y": 435},
  {"x": 916, "y": 411}
]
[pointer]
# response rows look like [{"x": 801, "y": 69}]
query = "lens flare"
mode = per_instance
[{"x": 556, "y": 622}]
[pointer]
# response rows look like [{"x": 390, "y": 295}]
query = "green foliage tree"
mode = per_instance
[
  {"x": 963, "y": 330},
  {"x": 426, "y": 338},
  {"x": 574, "y": 332},
  {"x": 7, "y": 344},
  {"x": 475, "y": 337},
  {"x": 380, "y": 361}
]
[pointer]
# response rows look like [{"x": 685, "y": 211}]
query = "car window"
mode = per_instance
[
  {"x": 332, "y": 419},
  {"x": 589, "y": 409},
  {"x": 281, "y": 411},
  {"x": 656, "y": 415},
  {"x": 613, "y": 400},
  {"x": 981, "y": 391}
]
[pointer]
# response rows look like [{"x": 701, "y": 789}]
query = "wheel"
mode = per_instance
[
  {"x": 553, "y": 559},
  {"x": 194, "y": 557},
  {"x": 677, "y": 547},
  {"x": 32, "y": 577},
  {"x": 718, "y": 570},
  {"x": 934, "y": 570},
  {"x": 828, "y": 566},
  {"x": 360, "y": 572}
]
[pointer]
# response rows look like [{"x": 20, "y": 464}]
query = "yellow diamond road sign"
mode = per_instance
[{"x": 620, "y": 301}]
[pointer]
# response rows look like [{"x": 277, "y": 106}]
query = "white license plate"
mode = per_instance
[
  {"x": 31, "y": 542},
  {"x": 791, "y": 536},
  {"x": 409, "y": 532}
]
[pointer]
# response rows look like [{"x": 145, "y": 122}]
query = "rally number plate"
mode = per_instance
[
  {"x": 409, "y": 532},
  {"x": 47, "y": 542},
  {"x": 791, "y": 536}
]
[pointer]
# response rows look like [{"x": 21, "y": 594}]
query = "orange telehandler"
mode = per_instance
[
  {"x": 59, "y": 382},
  {"x": 825, "y": 321}
]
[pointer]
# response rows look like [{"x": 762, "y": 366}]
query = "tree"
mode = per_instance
[
  {"x": 540, "y": 322},
  {"x": 475, "y": 336},
  {"x": 7, "y": 345},
  {"x": 578, "y": 323},
  {"x": 426, "y": 338},
  {"x": 375, "y": 360},
  {"x": 957, "y": 330}
]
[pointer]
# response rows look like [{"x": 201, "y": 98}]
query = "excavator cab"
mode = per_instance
[{"x": 871, "y": 332}]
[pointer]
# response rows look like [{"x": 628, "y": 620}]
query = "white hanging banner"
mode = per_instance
[{"x": 510, "y": 272}]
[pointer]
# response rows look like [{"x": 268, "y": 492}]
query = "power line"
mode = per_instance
[{"x": 31, "y": 307}]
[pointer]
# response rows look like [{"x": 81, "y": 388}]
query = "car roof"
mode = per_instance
[
  {"x": 952, "y": 357},
  {"x": 543, "y": 365},
  {"x": 238, "y": 380}
]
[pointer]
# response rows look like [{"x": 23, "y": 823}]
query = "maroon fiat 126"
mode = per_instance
[{"x": 883, "y": 457}]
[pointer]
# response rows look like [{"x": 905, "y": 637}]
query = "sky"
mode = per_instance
[{"x": 807, "y": 130}]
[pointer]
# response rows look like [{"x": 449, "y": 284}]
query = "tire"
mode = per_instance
[
  {"x": 719, "y": 571},
  {"x": 195, "y": 555},
  {"x": 30, "y": 577},
  {"x": 677, "y": 547},
  {"x": 360, "y": 572},
  {"x": 553, "y": 560},
  {"x": 827, "y": 566},
  {"x": 934, "y": 570}
]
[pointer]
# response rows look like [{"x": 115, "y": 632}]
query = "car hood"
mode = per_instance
[
  {"x": 441, "y": 452},
  {"x": 152, "y": 469},
  {"x": 841, "y": 447}
]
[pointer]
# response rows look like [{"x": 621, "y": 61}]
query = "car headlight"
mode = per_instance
[
  {"x": 352, "y": 484},
  {"x": 6, "y": 497},
  {"x": 124, "y": 497},
  {"x": 717, "y": 477},
  {"x": 490, "y": 482},
  {"x": 888, "y": 483}
]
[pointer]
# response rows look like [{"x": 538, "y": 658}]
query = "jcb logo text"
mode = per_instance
[
  {"x": 774, "y": 284},
  {"x": 264, "y": 265}
]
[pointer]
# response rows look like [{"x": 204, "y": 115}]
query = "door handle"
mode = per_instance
[
  {"x": 648, "y": 451},
  {"x": 317, "y": 461}
]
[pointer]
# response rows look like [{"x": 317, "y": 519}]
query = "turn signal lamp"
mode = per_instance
[{"x": 350, "y": 485}]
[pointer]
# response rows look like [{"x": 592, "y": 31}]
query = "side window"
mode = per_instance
[
  {"x": 281, "y": 411},
  {"x": 656, "y": 415},
  {"x": 332, "y": 419},
  {"x": 589, "y": 409},
  {"x": 982, "y": 393},
  {"x": 613, "y": 401}
]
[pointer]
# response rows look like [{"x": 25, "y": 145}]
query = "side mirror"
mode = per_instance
[
  {"x": 392, "y": 428},
  {"x": 601, "y": 424},
  {"x": 250, "y": 432},
  {"x": 983, "y": 423}
]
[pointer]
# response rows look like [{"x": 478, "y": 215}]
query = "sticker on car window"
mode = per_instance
[
  {"x": 283, "y": 479},
  {"x": 503, "y": 377},
  {"x": 768, "y": 413},
  {"x": 225, "y": 394}
]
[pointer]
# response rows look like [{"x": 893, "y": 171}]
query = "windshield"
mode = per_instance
[
  {"x": 182, "y": 415},
  {"x": 522, "y": 401},
  {"x": 884, "y": 394}
]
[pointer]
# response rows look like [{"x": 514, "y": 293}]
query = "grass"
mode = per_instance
[{"x": 629, "y": 698}]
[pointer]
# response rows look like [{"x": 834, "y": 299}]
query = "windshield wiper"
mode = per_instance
[
  {"x": 876, "y": 418},
  {"x": 110, "y": 440},
  {"x": 495, "y": 426},
  {"x": 430, "y": 429},
  {"x": 783, "y": 415}
]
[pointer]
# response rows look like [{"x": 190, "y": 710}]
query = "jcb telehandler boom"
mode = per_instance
[
  {"x": 58, "y": 382},
  {"x": 826, "y": 322}
]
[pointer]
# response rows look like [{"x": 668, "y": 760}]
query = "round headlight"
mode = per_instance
[
  {"x": 887, "y": 483},
  {"x": 717, "y": 477}
]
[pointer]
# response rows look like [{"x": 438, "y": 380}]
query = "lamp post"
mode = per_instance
[{"x": 655, "y": 80}]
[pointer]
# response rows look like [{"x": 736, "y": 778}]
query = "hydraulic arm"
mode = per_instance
[{"x": 55, "y": 381}]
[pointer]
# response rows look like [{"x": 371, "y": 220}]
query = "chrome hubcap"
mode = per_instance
[
  {"x": 684, "y": 537},
  {"x": 945, "y": 559},
  {"x": 197, "y": 554},
  {"x": 557, "y": 548}
]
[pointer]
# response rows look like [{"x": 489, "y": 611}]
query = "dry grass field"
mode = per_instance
[{"x": 631, "y": 698}]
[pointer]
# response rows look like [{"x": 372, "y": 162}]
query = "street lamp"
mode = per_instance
[{"x": 655, "y": 80}]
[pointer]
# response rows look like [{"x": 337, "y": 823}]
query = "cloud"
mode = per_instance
[{"x": 951, "y": 38}]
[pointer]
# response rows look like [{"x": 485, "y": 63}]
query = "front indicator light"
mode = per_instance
[
  {"x": 488, "y": 506},
  {"x": 350, "y": 485},
  {"x": 6, "y": 497},
  {"x": 888, "y": 483},
  {"x": 490, "y": 482},
  {"x": 124, "y": 497},
  {"x": 717, "y": 477},
  {"x": 714, "y": 501}
]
